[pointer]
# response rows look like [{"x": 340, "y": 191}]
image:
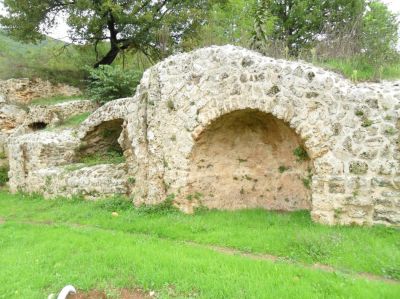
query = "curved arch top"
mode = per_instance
[{"x": 342, "y": 125}]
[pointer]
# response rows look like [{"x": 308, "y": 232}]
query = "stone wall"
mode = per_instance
[
  {"x": 23, "y": 91},
  {"x": 307, "y": 138},
  {"x": 17, "y": 120},
  {"x": 48, "y": 162}
]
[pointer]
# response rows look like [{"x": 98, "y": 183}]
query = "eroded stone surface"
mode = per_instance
[
  {"x": 23, "y": 91},
  {"x": 16, "y": 120},
  {"x": 179, "y": 117}
]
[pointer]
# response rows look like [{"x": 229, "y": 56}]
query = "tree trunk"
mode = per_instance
[{"x": 108, "y": 58}]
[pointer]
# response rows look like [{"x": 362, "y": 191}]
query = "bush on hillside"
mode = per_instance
[{"x": 109, "y": 83}]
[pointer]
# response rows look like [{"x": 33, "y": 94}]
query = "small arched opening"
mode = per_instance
[
  {"x": 101, "y": 145},
  {"x": 250, "y": 159}
]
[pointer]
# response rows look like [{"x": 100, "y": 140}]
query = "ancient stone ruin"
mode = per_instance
[
  {"x": 227, "y": 128},
  {"x": 23, "y": 91}
]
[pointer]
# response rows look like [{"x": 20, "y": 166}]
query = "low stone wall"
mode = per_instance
[
  {"x": 93, "y": 182},
  {"x": 15, "y": 120},
  {"x": 47, "y": 162}
]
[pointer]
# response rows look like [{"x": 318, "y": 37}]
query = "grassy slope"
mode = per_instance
[
  {"x": 46, "y": 60},
  {"x": 143, "y": 248},
  {"x": 52, "y": 60},
  {"x": 358, "y": 70}
]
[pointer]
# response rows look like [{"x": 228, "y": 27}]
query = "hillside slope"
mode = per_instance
[{"x": 49, "y": 59}]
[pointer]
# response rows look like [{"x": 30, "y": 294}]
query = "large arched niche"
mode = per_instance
[{"x": 250, "y": 159}]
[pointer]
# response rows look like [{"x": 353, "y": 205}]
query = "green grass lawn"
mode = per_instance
[{"x": 46, "y": 244}]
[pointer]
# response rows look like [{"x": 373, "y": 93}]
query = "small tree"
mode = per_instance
[{"x": 108, "y": 83}]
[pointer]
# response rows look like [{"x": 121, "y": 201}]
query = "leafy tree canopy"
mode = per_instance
[
  {"x": 379, "y": 33},
  {"x": 298, "y": 22},
  {"x": 153, "y": 27}
]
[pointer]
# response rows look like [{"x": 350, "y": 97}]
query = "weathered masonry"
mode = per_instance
[{"x": 227, "y": 128}]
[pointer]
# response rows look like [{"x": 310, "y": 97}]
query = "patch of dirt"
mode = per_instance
[
  {"x": 2, "y": 221},
  {"x": 123, "y": 294}
]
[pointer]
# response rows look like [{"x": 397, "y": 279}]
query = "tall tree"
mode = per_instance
[
  {"x": 380, "y": 30},
  {"x": 141, "y": 25},
  {"x": 298, "y": 23}
]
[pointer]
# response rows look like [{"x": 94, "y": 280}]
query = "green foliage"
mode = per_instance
[
  {"x": 115, "y": 204},
  {"x": 283, "y": 168},
  {"x": 390, "y": 131},
  {"x": 171, "y": 105},
  {"x": 299, "y": 23},
  {"x": 300, "y": 153},
  {"x": 163, "y": 208},
  {"x": 108, "y": 83},
  {"x": 379, "y": 35},
  {"x": 359, "y": 36},
  {"x": 150, "y": 27},
  {"x": 359, "y": 113},
  {"x": 196, "y": 196},
  {"x": 229, "y": 22},
  {"x": 307, "y": 182},
  {"x": 366, "y": 122},
  {"x": 3, "y": 175}
]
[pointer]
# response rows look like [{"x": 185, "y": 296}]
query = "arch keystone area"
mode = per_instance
[{"x": 222, "y": 127}]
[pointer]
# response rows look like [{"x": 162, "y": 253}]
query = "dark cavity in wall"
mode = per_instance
[
  {"x": 37, "y": 126},
  {"x": 102, "y": 141}
]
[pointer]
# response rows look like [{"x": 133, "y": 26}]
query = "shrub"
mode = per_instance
[
  {"x": 117, "y": 203},
  {"x": 163, "y": 208},
  {"x": 3, "y": 175},
  {"x": 301, "y": 154},
  {"x": 108, "y": 83}
]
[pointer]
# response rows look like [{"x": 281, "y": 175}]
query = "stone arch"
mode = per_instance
[
  {"x": 105, "y": 130},
  {"x": 102, "y": 138},
  {"x": 248, "y": 158}
]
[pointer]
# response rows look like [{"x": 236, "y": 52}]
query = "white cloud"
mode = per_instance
[{"x": 394, "y": 5}]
